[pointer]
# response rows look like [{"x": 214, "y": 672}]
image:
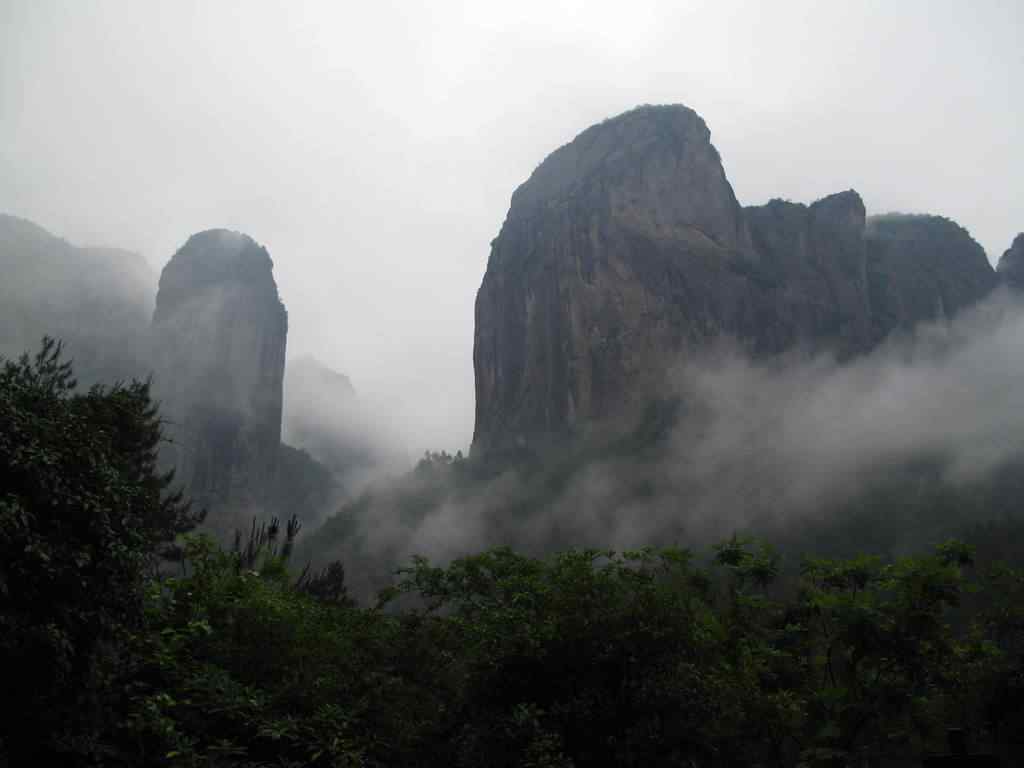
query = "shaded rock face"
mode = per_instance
[
  {"x": 219, "y": 334},
  {"x": 1011, "y": 265},
  {"x": 97, "y": 300},
  {"x": 922, "y": 268},
  {"x": 626, "y": 251},
  {"x": 810, "y": 285},
  {"x": 586, "y": 283}
]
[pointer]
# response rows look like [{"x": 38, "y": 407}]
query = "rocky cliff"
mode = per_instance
[
  {"x": 219, "y": 335},
  {"x": 922, "y": 268},
  {"x": 1011, "y": 265},
  {"x": 97, "y": 300},
  {"x": 626, "y": 251}
]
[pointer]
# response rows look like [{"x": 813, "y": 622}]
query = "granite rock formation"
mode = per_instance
[
  {"x": 1011, "y": 265},
  {"x": 96, "y": 300},
  {"x": 219, "y": 334},
  {"x": 626, "y": 251},
  {"x": 922, "y": 268}
]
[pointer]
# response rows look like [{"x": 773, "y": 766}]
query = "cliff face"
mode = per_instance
[
  {"x": 626, "y": 250},
  {"x": 1011, "y": 265},
  {"x": 219, "y": 334},
  {"x": 617, "y": 248},
  {"x": 811, "y": 283},
  {"x": 922, "y": 268},
  {"x": 97, "y": 300}
]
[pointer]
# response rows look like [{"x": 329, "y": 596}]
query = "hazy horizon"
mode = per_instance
[{"x": 374, "y": 154}]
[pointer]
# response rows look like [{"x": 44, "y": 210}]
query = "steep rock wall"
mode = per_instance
[
  {"x": 922, "y": 268},
  {"x": 219, "y": 334},
  {"x": 626, "y": 250},
  {"x": 1011, "y": 265}
]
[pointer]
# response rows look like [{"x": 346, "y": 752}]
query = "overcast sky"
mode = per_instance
[{"x": 373, "y": 147}]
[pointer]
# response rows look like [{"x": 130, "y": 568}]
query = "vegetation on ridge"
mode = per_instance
[{"x": 586, "y": 657}]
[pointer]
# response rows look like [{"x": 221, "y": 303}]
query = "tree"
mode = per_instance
[
  {"x": 84, "y": 514},
  {"x": 882, "y": 655}
]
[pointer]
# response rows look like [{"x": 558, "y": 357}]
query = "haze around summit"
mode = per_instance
[{"x": 374, "y": 148}]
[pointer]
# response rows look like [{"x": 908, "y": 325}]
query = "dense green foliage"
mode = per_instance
[
  {"x": 83, "y": 513},
  {"x": 584, "y": 658},
  {"x": 656, "y": 657}
]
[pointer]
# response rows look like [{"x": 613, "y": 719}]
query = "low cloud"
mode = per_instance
[{"x": 776, "y": 441}]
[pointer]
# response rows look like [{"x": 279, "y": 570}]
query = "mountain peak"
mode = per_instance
[
  {"x": 1011, "y": 265},
  {"x": 653, "y": 166}
]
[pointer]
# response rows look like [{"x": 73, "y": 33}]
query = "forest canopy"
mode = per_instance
[{"x": 229, "y": 656}]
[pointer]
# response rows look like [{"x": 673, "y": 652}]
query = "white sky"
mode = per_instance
[{"x": 373, "y": 147}]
